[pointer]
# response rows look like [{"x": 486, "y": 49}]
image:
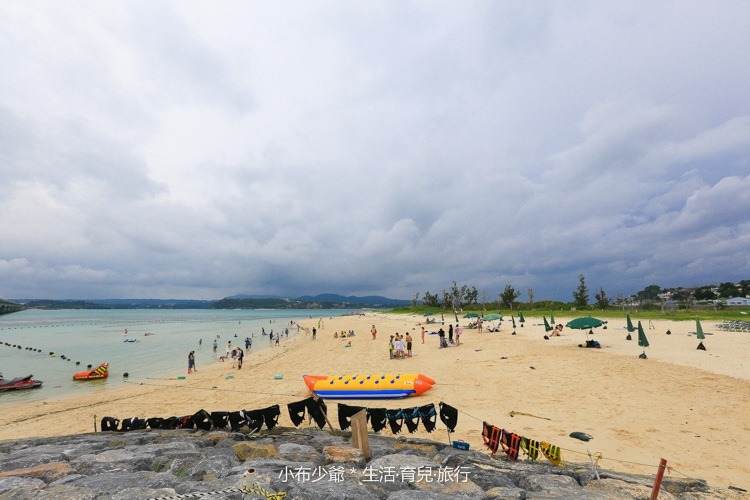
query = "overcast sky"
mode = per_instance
[{"x": 203, "y": 149}]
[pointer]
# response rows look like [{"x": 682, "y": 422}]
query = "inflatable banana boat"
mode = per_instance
[
  {"x": 101, "y": 371},
  {"x": 383, "y": 386}
]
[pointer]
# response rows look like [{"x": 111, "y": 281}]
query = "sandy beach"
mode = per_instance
[{"x": 688, "y": 406}]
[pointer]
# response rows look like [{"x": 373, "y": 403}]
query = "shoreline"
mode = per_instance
[{"x": 680, "y": 404}]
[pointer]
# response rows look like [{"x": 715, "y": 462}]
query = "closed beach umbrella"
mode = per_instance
[
  {"x": 513, "y": 319},
  {"x": 547, "y": 328},
  {"x": 699, "y": 329},
  {"x": 552, "y": 318},
  {"x": 642, "y": 340},
  {"x": 521, "y": 319},
  {"x": 699, "y": 333},
  {"x": 631, "y": 328}
]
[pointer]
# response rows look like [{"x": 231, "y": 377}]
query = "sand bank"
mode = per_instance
[{"x": 685, "y": 405}]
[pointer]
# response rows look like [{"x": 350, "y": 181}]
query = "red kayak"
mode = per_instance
[{"x": 19, "y": 383}]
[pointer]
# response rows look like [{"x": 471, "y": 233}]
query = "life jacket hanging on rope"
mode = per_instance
[
  {"x": 346, "y": 413},
  {"x": 271, "y": 416},
  {"x": 377, "y": 418},
  {"x": 395, "y": 420},
  {"x": 411, "y": 418},
  {"x": 510, "y": 443},
  {"x": 428, "y": 416},
  {"x": 552, "y": 453},
  {"x": 297, "y": 411},
  {"x": 491, "y": 436},
  {"x": 530, "y": 447},
  {"x": 449, "y": 416},
  {"x": 318, "y": 411}
]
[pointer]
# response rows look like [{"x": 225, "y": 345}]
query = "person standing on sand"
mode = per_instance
[
  {"x": 374, "y": 332},
  {"x": 391, "y": 347},
  {"x": 450, "y": 333},
  {"x": 423, "y": 335},
  {"x": 408, "y": 345},
  {"x": 240, "y": 357},
  {"x": 314, "y": 332},
  {"x": 229, "y": 349},
  {"x": 191, "y": 362},
  {"x": 234, "y": 357},
  {"x": 459, "y": 331}
]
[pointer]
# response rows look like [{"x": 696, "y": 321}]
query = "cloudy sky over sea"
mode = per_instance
[{"x": 202, "y": 149}]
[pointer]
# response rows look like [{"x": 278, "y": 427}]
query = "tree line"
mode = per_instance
[{"x": 465, "y": 296}]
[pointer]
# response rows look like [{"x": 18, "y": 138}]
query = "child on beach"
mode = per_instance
[
  {"x": 390, "y": 348},
  {"x": 374, "y": 332}
]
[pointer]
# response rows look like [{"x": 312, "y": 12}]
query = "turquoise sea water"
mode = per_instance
[{"x": 95, "y": 336}]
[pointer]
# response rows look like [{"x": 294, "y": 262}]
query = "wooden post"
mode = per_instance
[
  {"x": 657, "y": 481},
  {"x": 359, "y": 433}
]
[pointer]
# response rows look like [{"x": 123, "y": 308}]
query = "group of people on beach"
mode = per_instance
[{"x": 399, "y": 346}]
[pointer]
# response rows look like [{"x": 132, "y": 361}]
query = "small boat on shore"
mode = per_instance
[
  {"x": 101, "y": 371},
  {"x": 19, "y": 383},
  {"x": 380, "y": 386}
]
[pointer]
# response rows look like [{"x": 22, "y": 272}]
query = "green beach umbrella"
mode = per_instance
[
  {"x": 699, "y": 329},
  {"x": 585, "y": 323},
  {"x": 552, "y": 318},
  {"x": 493, "y": 317},
  {"x": 521, "y": 319},
  {"x": 631, "y": 328},
  {"x": 471, "y": 315},
  {"x": 513, "y": 319},
  {"x": 547, "y": 328},
  {"x": 642, "y": 340},
  {"x": 431, "y": 313}
]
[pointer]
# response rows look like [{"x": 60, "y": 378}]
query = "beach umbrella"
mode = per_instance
[
  {"x": 513, "y": 319},
  {"x": 585, "y": 323},
  {"x": 521, "y": 319},
  {"x": 552, "y": 318},
  {"x": 493, "y": 317},
  {"x": 631, "y": 328},
  {"x": 699, "y": 329},
  {"x": 471, "y": 315},
  {"x": 642, "y": 340},
  {"x": 699, "y": 333},
  {"x": 430, "y": 313},
  {"x": 547, "y": 328}
]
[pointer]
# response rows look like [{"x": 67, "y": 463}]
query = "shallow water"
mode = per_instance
[{"x": 97, "y": 336}]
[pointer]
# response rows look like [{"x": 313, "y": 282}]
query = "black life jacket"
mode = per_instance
[
  {"x": 220, "y": 419},
  {"x": 449, "y": 416},
  {"x": 155, "y": 422},
  {"x": 395, "y": 420},
  {"x": 297, "y": 411},
  {"x": 377, "y": 418},
  {"x": 202, "y": 420},
  {"x": 271, "y": 416},
  {"x": 411, "y": 419},
  {"x": 429, "y": 417},
  {"x": 346, "y": 413},
  {"x": 109, "y": 424}
]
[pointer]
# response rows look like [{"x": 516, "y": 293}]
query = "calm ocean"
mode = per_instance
[{"x": 95, "y": 336}]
